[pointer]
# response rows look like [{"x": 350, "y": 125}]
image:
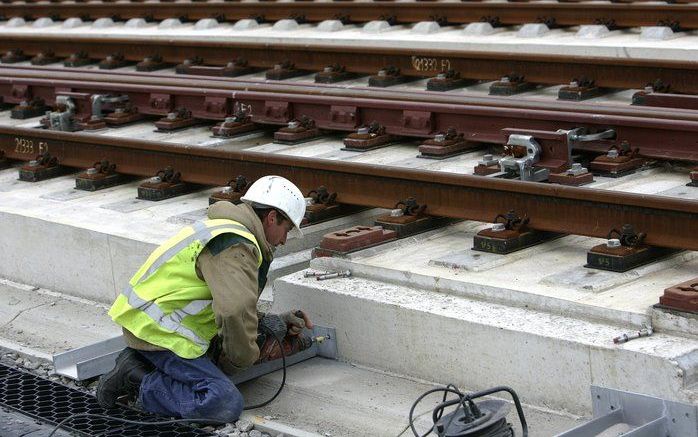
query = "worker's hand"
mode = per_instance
[{"x": 295, "y": 321}]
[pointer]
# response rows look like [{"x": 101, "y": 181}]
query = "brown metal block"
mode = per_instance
[
  {"x": 386, "y": 77},
  {"x": 78, "y": 59},
  {"x": 187, "y": 64},
  {"x": 235, "y": 189},
  {"x": 43, "y": 167},
  {"x": 682, "y": 297},
  {"x": 237, "y": 67},
  {"x": 297, "y": 131},
  {"x": 447, "y": 81},
  {"x": 101, "y": 175},
  {"x": 342, "y": 117},
  {"x": 352, "y": 239},
  {"x": 28, "y": 109},
  {"x": 161, "y": 103},
  {"x": 624, "y": 250},
  {"x": 18, "y": 94},
  {"x": 368, "y": 138},
  {"x": 123, "y": 115},
  {"x": 179, "y": 119},
  {"x": 164, "y": 185},
  {"x": 509, "y": 233},
  {"x": 487, "y": 165},
  {"x": 284, "y": 70},
  {"x": 116, "y": 60},
  {"x": 445, "y": 145},
  {"x": 579, "y": 89},
  {"x": 94, "y": 123},
  {"x": 151, "y": 63},
  {"x": 44, "y": 58},
  {"x": 333, "y": 73},
  {"x": 13, "y": 57},
  {"x": 233, "y": 126},
  {"x": 574, "y": 176},
  {"x": 275, "y": 112},
  {"x": 618, "y": 161},
  {"x": 510, "y": 85}
]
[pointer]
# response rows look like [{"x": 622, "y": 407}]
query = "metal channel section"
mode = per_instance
[
  {"x": 667, "y": 222},
  {"x": 99, "y": 358},
  {"x": 562, "y": 14},
  {"x": 51, "y": 402},
  {"x": 618, "y": 412}
]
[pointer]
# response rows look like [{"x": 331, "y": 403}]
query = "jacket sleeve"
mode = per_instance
[{"x": 231, "y": 276}]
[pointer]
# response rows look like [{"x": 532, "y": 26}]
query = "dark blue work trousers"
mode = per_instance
[{"x": 190, "y": 389}]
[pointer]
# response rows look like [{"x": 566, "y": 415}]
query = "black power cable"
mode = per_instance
[
  {"x": 172, "y": 421},
  {"x": 497, "y": 429}
]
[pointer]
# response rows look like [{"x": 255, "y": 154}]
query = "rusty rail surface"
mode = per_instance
[
  {"x": 667, "y": 222},
  {"x": 560, "y": 14},
  {"x": 658, "y": 133},
  {"x": 363, "y": 59}
]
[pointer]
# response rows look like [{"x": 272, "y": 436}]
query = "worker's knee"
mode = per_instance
[{"x": 226, "y": 402}]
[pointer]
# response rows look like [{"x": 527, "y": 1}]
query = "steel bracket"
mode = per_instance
[
  {"x": 417, "y": 122},
  {"x": 161, "y": 104}
]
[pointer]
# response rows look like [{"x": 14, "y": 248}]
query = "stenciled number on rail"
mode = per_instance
[
  {"x": 423, "y": 63},
  {"x": 28, "y": 147}
]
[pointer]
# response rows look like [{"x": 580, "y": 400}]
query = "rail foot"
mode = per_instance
[
  {"x": 508, "y": 234},
  {"x": 29, "y": 109},
  {"x": 574, "y": 176},
  {"x": 111, "y": 62},
  {"x": 165, "y": 185},
  {"x": 179, "y": 119},
  {"x": 44, "y": 58},
  {"x": 297, "y": 131},
  {"x": 14, "y": 56},
  {"x": 101, "y": 175},
  {"x": 43, "y": 167},
  {"x": 510, "y": 85},
  {"x": 386, "y": 77},
  {"x": 321, "y": 206},
  {"x": 284, "y": 70},
  {"x": 445, "y": 145},
  {"x": 579, "y": 89},
  {"x": 78, "y": 59},
  {"x": 368, "y": 137},
  {"x": 618, "y": 161},
  {"x": 447, "y": 81},
  {"x": 151, "y": 63},
  {"x": 333, "y": 74}
]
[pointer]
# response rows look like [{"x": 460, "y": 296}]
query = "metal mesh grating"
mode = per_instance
[{"x": 51, "y": 402}]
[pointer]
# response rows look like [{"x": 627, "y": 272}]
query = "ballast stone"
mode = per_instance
[
  {"x": 170, "y": 23},
  {"x": 657, "y": 33},
  {"x": 376, "y": 26},
  {"x": 136, "y": 23},
  {"x": 330, "y": 26},
  {"x": 591, "y": 31},
  {"x": 103, "y": 23},
  {"x": 246, "y": 24},
  {"x": 206, "y": 23},
  {"x": 285, "y": 25},
  {"x": 425, "y": 28},
  {"x": 532, "y": 30},
  {"x": 478, "y": 29},
  {"x": 42, "y": 22},
  {"x": 72, "y": 23},
  {"x": 16, "y": 22}
]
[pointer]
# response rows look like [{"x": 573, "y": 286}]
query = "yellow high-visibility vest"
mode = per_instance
[{"x": 165, "y": 303}]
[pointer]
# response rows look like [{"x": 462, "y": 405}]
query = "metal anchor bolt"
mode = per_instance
[
  {"x": 612, "y": 243},
  {"x": 344, "y": 274},
  {"x": 172, "y": 116},
  {"x": 362, "y": 131},
  {"x": 396, "y": 212},
  {"x": 314, "y": 274},
  {"x": 91, "y": 171},
  {"x": 613, "y": 153},
  {"x": 327, "y": 70},
  {"x": 440, "y": 138},
  {"x": 293, "y": 124},
  {"x": 498, "y": 227}
]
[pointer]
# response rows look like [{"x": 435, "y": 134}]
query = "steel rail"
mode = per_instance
[
  {"x": 658, "y": 137},
  {"x": 667, "y": 221},
  {"x": 18, "y": 73},
  {"x": 562, "y": 14},
  {"x": 366, "y": 59}
]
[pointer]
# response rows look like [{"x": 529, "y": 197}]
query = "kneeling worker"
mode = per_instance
[{"x": 202, "y": 283}]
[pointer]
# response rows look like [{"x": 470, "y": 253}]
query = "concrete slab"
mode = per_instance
[{"x": 549, "y": 359}]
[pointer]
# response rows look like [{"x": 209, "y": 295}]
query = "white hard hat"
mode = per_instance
[{"x": 280, "y": 193}]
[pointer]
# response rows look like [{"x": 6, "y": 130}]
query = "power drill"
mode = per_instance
[{"x": 271, "y": 333}]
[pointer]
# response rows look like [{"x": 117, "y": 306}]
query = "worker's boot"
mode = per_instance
[{"x": 124, "y": 380}]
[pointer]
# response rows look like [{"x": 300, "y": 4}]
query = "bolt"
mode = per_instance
[
  {"x": 574, "y": 84},
  {"x": 344, "y": 274},
  {"x": 440, "y": 138},
  {"x": 227, "y": 189},
  {"x": 441, "y": 76},
  {"x": 33, "y": 163},
  {"x": 612, "y": 243},
  {"x": 278, "y": 67},
  {"x": 396, "y": 212},
  {"x": 95, "y": 118},
  {"x": 612, "y": 153},
  {"x": 498, "y": 227},
  {"x": 229, "y": 120},
  {"x": 314, "y": 274},
  {"x": 293, "y": 124},
  {"x": 382, "y": 73},
  {"x": 309, "y": 201},
  {"x": 119, "y": 110},
  {"x": 172, "y": 116},
  {"x": 362, "y": 131},
  {"x": 23, "y": 104},
  {"x": 649, "y": 89},
  {"x": 91, "y": 171},
  {"x": 505, "y": 79},
  {"x": 155, "y": 179},
  {"x": 327, "y": 70},
  {"x": 487, "y": 157}
]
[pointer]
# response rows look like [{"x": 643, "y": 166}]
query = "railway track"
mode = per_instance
[{"x": 568, "y": 13}]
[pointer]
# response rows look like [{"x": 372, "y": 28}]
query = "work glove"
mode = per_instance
[{"x": 296, "y": 321}]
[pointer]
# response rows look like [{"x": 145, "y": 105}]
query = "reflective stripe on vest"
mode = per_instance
[{"x": 202, "y": 232}]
